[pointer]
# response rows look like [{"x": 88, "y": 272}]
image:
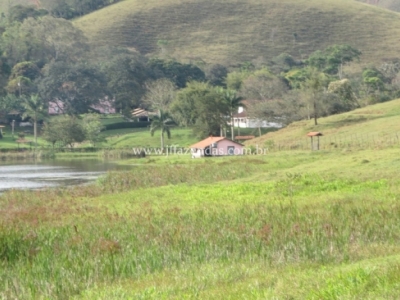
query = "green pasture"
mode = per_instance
[
  {"x": 296, "y": 224},
  {"x": 373, "y": 126},
  {"x": 9, "y": 141},
  {"x": 287, "y": 225}
]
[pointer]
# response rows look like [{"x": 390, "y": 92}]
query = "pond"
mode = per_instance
[{"x": 53, "y": 173}]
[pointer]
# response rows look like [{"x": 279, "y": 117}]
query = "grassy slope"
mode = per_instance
[
  {"x": 389, "y": 4},
  {"x": 373, "y": 125},
  {"x": 233, "y": 31}
]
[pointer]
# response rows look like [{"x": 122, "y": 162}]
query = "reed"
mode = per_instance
[
  {"x": 203, "y": 230},
  {"x": 26, "y": 155}
]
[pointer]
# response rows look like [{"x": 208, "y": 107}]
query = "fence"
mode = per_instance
[{"x": 350, "y": 141}]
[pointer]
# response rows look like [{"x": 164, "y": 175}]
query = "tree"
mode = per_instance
[
  {"x": 233, "y": 102},
  {"x": 19, "y": 13},
  {"x": 9, "y": 102},
  {"x": 332, "y": 59},
  {"x": 53, "y": 39},
  {"x": 262, "y": 85},
  {"x": 127, "y": 73},
  {"x": 35, "y": 109},
  {"x": 50, "y": 132},
  {"x": 284, "y": 111},
  {"x": 66, "y": 129},
  {"x": 92, "y": 128},
  {"x": 216, "y": 75},
  {"x": 313, "y": 88},
  {"x": 78, "y": 86},
  {"x": 373, "y": 79},
  {"x": 160, "y": 94},
  {"x": 42, "y": 40},
  {"x": 177, "y": 72},
  {"x": 201, "y": 106},
  {"x": 163, "y": 122},
  {"x": 235, "y": 79},
  {"x": 22, "y": 78},
  {"x": 283, "y": 63},
  {"x": 344, "y": 91}
]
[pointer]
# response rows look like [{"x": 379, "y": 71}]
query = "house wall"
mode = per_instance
[
  {"x": 222, "y": 148},
  {"x": 56, "y": 108},
  {"x": 254, "y": 123},
  {"x": 104, "y": 107}
]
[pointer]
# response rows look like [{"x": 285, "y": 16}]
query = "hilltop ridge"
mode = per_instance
[{"x": 236, "y": 31}]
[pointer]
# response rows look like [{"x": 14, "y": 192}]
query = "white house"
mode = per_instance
[
  {"x": 216, "y": 146},
  {"x": 242, "y": 120}
]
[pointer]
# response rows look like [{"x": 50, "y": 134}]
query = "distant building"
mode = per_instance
[
  {"x": 242, "y": 120},
  {"x": 104, "y": 106},
  {"x": 142, "y": 115},
  {"x": 216, "y": 146}
]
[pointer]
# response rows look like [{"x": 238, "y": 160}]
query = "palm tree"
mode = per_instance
[
  {"x": 34, "y": 108},
  {"x": 233, "y": 102},
  {"x": 162, "y": 121}
]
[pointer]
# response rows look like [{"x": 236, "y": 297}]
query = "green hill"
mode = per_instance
[
  {"x": 389, "y": 4},
  {"x": 369, "y": 127},
  {"x": 236, "y": 31}
]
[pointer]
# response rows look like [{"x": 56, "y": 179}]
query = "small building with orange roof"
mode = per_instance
[{"x": 216, "y": 146}]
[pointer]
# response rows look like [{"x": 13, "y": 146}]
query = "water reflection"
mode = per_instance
[{"x": 15, "y": 175}]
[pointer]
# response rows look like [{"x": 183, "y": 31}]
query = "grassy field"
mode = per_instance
[
  {"x": 9, "y": 141},
  {"x": 180, "y": 137},
  {"x": 120, "y": 138},
  {"x": 285, "y": 225},
  {"x": 236, "y": 31},
  {"x": 374, "y": 126},
  {"x": 298, "y": 225}
]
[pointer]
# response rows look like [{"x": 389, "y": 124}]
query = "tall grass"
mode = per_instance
[
  {"x": 62, "y": 243},
  {"x": 26, "y": 155},
  {"x": 153, "y": 176},
  {"x": 64, "y": 261}
]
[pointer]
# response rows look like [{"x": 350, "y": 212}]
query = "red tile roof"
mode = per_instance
[
  {"x": 316, "y": 133},
  {"x": 210, "y": 140},
  {"x": 207, "y": 142},
  {"x": 243, "y": 114}
]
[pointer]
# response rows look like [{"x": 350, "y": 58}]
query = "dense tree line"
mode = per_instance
[{"x": 44, "y": 57}]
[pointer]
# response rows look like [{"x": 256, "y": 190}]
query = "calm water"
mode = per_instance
[{"x": 52, "y": 173}]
